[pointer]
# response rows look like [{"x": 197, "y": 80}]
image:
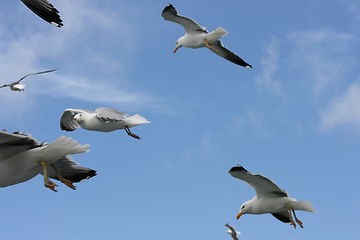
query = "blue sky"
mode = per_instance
[{"x": 294, "y": 117}]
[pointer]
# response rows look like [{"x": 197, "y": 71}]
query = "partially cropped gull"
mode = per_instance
[
  {"x": 197, "y": 36},
  {"x": 233, "y": 233},
  {"x": 17, "y": 86},
  {"x": 269, "y": 198},
  {"x": 102, "y": 120},
  {"x": 22, "y": 157},
  {"x": 45, "y": 10}
]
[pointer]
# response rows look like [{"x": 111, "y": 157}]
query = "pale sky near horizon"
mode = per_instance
[{"x": 294, "y": 117}]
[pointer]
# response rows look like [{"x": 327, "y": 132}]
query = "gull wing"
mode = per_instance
[
  {"x": 45, "y": 10},
  {"x": 67, "y": 122},
  {"x": 70, "y": 170},
  {"x": 110, "y": 115},
  {"x": 170, "y": 14},
  {"x": 6, "y": 85},
  {"x": 228, "y": 55},
  {"x": 282, "y": 216},
  {"x": 17, "y": 82},
  {"x": 263, "y": 185},
  {"x": 14, "y": 143}
]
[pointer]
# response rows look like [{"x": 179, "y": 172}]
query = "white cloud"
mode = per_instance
[
  {"x": 270, "y": 65},
  {"x": 343, "y": 110}
]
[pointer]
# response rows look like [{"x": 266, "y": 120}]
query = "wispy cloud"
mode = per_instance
[
  {"x": 269, "y": 66},
  {"x": 93, "y": 51},
  {"x": 324, "y": 55},
  {"x": 343, "y": 110}
]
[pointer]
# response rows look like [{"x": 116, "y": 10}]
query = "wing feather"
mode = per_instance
[
  {"x": 110, "y": 115},
  {"x": 170, "y": 14},
  {"x": 45, "y": 10},
  {"x": 228, "y": 55},
  {"x": 67, "y": 122},
  {"x": 263, "y": 185}
]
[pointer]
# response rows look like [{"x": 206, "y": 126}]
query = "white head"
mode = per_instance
[
  {"x": 245, "y": 208},
  {"x": 78, "y": 117},
  {"x": 179, "y": 43}
]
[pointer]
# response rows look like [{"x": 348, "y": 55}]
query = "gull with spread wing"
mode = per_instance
[
  {"x": 197, "y": 36},
  {"x": 269, "y": 198}
]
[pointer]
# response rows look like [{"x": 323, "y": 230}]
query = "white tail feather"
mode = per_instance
[
  {"x": 64, "y": 146},
  {"x": 302, "y": 205},
  {"x": 137, "y": 119},
  {"x": 216, "y": 34}
]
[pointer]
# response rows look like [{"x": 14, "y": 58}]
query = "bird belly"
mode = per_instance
[{"x": 95, "y": 124}]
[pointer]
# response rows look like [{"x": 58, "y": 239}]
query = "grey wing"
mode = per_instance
[
  {"x": 67, "y": 122},
  {"x": 70, "y": 170},
  {"x": 110, "y": 115},
  {"x": 263, "y": 185},
  {"x": 45, "y": 10},
  {"x": 14, "y": 143},
  {"x": 17, "y": 82},
  {"x": 228, "y": 55},
  {"x": 170, "y": 14}
]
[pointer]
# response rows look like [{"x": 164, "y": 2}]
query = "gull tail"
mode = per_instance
[
  {"x": 137, "y": 119},
  {"x": 302, "y": 205},
  {"x": 64, "y": 146},
  {"x": 216, "y": 34}
]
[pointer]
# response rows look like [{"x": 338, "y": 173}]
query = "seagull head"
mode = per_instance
[
  {"x": 179, "y": 43},
  {"x": 78, "y": 117},
  {"x": 243, "y": 210}
]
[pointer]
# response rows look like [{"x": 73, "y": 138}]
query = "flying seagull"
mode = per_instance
[
  {"x": 45, "y": 10},
  {"x": 103, "y": 120},
  {"x": 22, "y": 157},
  {"x": 16, "y": 86},
  {"x": 269, "y": 198},
  {"x": 232, "y": 232},
  {"x": 197, "y": 36}
]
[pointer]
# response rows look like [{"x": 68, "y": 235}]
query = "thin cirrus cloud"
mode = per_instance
[
  {"x": 270, "y": 66},
  {"x": 80, "y": 61},
  {"x": 343, "y": 110}
]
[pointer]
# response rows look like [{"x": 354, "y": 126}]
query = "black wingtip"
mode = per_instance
[{"x": 237, "y": 168}]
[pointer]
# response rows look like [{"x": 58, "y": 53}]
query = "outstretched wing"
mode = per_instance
[
  {"x": 263, "y": 185},
  {"x": 17, "y": 82},
  {"x": 170, "y": 14},
  {"x": 70, "y": 170},
  {"x": 6, "y": 85},
  {"x": 110, "y": 115},
  {"x": 228, "y": 55},
  {"x": 14, "y": 143},
  {"x": 67, "y": 122},
  {"x": 45, "y": 10}
]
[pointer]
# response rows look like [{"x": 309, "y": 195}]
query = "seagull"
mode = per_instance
[
  {"x": 232, "y": 232},
  {"x": 16, "y": 86},
  {"x": 197, "y": 36},
  {"x": 22, "y": 157},
  {"x": 103, "y": 120},
  {"x": 45, "y": 10},
  {"x": 269, "y": 198}
]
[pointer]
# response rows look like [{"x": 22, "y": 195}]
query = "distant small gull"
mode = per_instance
[
  {"x": 45, "y": 10},
  {"x": 269, "y": 198},
  {"x": 22, "y": 157},
  {"x": 103, "y": 120},
  {"x": 197, "y": 36},
  {"x": 16, "y": 86},
  {"x": 232, "y": 232}
]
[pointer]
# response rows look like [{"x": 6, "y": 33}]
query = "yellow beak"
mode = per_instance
[
  {"x": 239, "y": 215},
  {"x": 176, "y": 49}
]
